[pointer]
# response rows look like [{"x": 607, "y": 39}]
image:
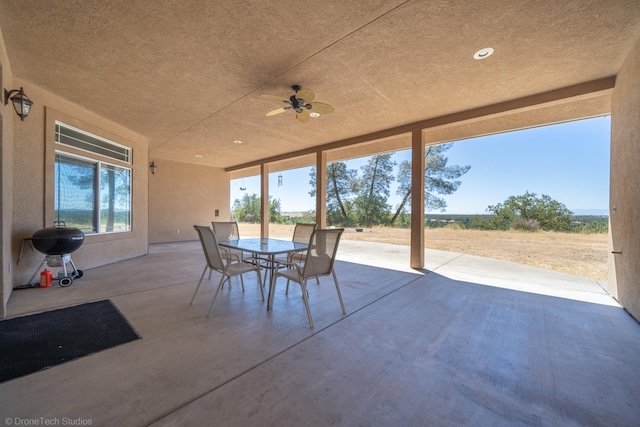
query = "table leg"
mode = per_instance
[{"x": 272, "y": 259}]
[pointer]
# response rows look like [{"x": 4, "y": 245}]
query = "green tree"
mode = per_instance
[
  {"x": 247, "y": 209},
  {"x": 373, "y": 190},
  {"x": 528, "y": 212},
  {"x": 275, "y": 217},
  {"x": 339, "y": 190},
  {"x": 439, "y": 178}
]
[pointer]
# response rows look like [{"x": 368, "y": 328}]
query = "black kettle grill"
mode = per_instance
[{"x": 57, "y": 243}]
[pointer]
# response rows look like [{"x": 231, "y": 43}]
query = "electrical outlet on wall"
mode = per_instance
[
  {"x": 217, "y": 213},
  {"x": 177, "y": 231}
]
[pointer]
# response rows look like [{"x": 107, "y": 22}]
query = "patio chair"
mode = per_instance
[
  {"x": 301, "y": 234},
  {"x": 213, "y": 255},
  {"x": 318, "y": 262},
  {"x": 228, "y": 230}
]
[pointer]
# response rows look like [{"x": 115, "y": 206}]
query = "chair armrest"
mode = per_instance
[
  {"x": 300, "y": 255},
  {"x": 228, "y": 256},
  {"x": 289, "y": 265}
]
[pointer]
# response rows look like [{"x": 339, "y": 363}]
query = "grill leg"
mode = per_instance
[
  {"x": 64, "y": 267},
  {"x": 37, "y": 270},
  {"x": 75, "y": 270}
]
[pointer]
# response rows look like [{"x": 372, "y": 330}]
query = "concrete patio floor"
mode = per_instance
[{"x": 466, "y": 341}]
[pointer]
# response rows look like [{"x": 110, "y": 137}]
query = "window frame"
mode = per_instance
[{"x": 55, "y": 148}]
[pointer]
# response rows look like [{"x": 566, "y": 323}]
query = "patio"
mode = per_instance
[{"x": 467, "y": 341}]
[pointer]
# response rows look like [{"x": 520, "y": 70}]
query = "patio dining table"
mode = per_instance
[{"x": 265, "y": 249}]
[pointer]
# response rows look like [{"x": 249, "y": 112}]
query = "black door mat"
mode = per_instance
[{"x": 39, "y": 341}]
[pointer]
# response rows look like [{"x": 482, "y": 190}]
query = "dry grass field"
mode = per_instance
[{"x": 582, "y": 255}]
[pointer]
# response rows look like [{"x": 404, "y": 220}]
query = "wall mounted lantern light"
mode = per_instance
[
  {"x": 21, "y": 102},
  {"x": 153, "y": 167}
]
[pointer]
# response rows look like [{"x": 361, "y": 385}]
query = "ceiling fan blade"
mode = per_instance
[
  {"x": 321, "y": 108},
  {"x": 307, "y": 95},
  {"x": 275, "y": 98},
  {"x": 303, "y": 117},
  {"x": 276, "y": 111}
]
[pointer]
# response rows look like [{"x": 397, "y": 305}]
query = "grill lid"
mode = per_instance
[{"x": 57, "y": 240}]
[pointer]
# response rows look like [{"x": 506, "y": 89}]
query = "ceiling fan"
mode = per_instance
[{"x": 301, "y": 103}]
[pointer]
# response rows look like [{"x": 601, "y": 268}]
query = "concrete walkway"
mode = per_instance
[{"x": 480, "y": 270}]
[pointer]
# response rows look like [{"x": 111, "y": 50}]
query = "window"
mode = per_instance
[
  {"x": 115, "y": 199},
  {"x": 75, "y": 192},
  {"x": 89, "y": 193}
]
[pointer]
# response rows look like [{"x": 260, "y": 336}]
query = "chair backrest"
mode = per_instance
[
  {"x": 210, "y": 247},
  {"x": 322, "y": 252},
  {"x": 226, "y": 230},
  {"x": 302, "y": 233}
]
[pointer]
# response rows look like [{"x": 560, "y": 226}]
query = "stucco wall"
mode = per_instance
[
  {"x": 183, "y": 194},
  {"x": 624, "y": 271},
  {"x": 32, "y": 167}
]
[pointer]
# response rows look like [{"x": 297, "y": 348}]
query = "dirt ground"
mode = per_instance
[{"x": 582, "y": 255}]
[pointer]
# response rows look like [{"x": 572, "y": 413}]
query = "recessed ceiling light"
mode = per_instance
[
  {"x": 237, "y": 141},
  {"x": 314, "y": 114},
  {"x": 198, "y": 156},
  {"x": 483, "y": 53}
]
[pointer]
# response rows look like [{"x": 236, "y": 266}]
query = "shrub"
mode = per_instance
[
  {"x": 523, "y": 224},
  {"x": 549, "y": 214}
]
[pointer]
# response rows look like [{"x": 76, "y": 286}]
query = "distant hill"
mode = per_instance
[
  {"x": 292, "y": 214},
  {"x": 596, "y": 212}
]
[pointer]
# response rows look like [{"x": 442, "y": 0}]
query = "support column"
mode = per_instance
[
  {"x": 624, "y": 194},
  {"x": 264, "y": 201},
  {"x": 417, "y": 199},
  {"x": 321, "y": 189}
]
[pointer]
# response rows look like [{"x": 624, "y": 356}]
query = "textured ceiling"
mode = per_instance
[{"x": 189, "y": 74}]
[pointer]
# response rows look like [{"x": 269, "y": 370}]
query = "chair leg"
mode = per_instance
[
  {"x": 305, "y": 298},
  {"x": 260, "y": 283},
  {"x": 287, "y": 291},
  {"x": 222, "y": 279},
  {"x": 241, "y": 281},
  {"x": 201, "y": 277},
  {"x": 335, "y": 280},
  {"x": 264, "y": 280}
]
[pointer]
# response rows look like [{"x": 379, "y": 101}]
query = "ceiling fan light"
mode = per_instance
[
  {"x": 301, "y": 103},
  {"x": 483, "y": 53}
]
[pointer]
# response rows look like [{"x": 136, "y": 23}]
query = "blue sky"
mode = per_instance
[{"x": 568, "y": 162}]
